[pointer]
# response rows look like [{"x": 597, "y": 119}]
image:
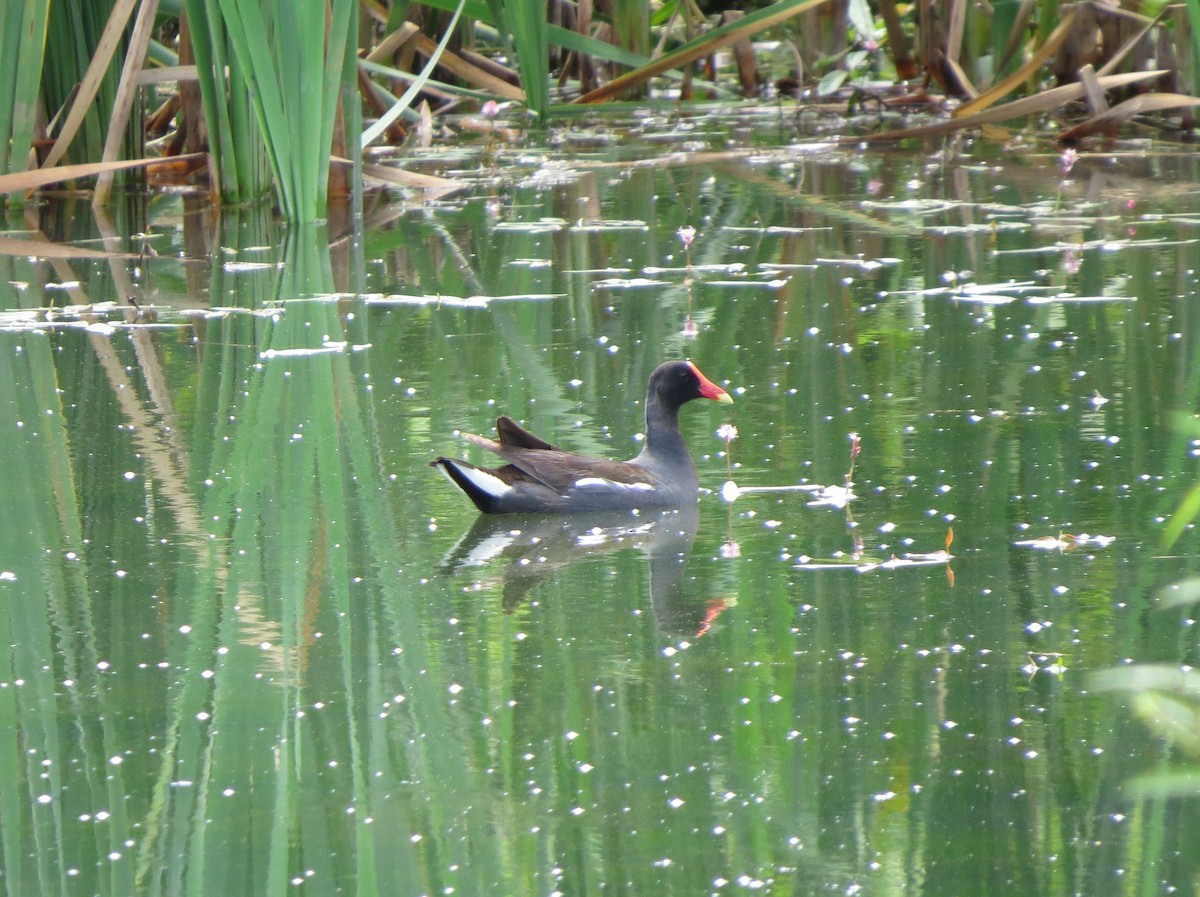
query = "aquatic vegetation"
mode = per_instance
[
  {"x": 289, "y": 98},
  {"x": 254, "y": 642}
]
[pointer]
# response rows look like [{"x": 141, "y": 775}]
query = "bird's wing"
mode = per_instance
[
  {"x": 562, "y": 471},
  {"x": 513, "y": 434}
]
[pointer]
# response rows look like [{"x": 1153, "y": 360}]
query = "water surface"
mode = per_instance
[{"x": 259, "y": 646}]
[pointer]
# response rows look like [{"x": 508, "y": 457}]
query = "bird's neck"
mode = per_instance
[{"x": 662, "y": 427}]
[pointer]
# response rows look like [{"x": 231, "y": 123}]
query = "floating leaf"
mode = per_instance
[{"x": 1065, "y": 542}]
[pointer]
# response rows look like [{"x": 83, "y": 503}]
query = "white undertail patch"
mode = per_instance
[{"x": 485, "y": 482}]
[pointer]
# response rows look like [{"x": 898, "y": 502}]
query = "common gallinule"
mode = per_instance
[{"x": 539, "y": 478}]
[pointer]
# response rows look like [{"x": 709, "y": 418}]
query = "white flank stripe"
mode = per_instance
[{"x": 600, "y": 482}]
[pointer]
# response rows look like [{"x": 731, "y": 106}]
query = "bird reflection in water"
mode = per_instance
[{"x": 531, "y": 549}]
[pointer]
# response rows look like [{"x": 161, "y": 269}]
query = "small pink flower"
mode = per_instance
[
  {"x": 1067, "y": 161},
  {"x": 874, "y": 186},
  {"x": 728, "y": 432},
  {"x": 731, "y": 549},
  {"x": 686, "y": 235},
  {"x": 491, "y": 109}
]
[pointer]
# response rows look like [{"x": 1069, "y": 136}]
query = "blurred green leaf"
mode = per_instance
[
  {"x": 1174, "y": 719},
  {"x": 832, "y": 81},
  {"x": 1146, "y": 677},
  {"x": 1188, "y": 509},
  {"x": 1180, "y": 593},
  {"x": 1177, "y": 783},
  {"x": 861, "y": 19}
]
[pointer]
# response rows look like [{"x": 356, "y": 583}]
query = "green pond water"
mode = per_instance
[{"x": 251, "y": 643}]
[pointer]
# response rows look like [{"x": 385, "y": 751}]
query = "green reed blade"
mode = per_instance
[
  {"x": 252, "y": 41},
  {"x": 1193, "y": 18},
  {"x": 705, "y": 45},
  {"x": 10, "y": 55},
  {"x": 527, "y": 19},
  {"x": 22, "y": 44},
  {"x": 372, "y": 133},
  {"x": 293, "y": 77},
  {"x": 597, "y": 49}
]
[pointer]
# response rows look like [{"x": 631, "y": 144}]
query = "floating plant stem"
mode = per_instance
[
  {"x": 490, "y": 110},
  {"x": 855, "y": 448},
  {"x": 686, "y": 235},
  {"x": 1066, "y": 162},
  {"x": 729, "y": 491}
]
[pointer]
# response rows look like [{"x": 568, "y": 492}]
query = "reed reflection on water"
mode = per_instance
[{"x": 256, "y": 644}]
